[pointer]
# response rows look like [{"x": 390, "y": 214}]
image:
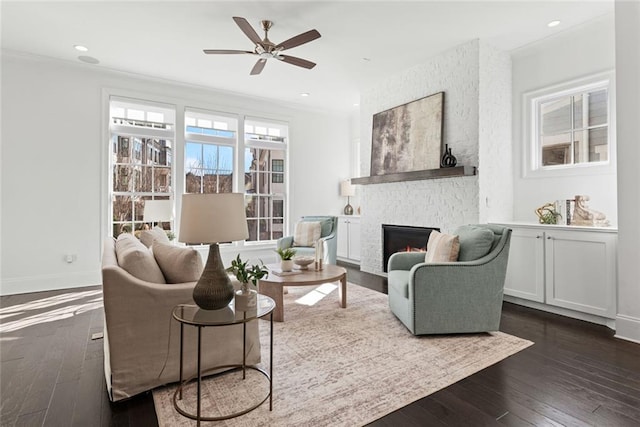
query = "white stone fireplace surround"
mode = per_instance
[{"x": 476, "y": 80}]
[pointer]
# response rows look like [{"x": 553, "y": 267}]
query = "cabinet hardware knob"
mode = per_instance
[
  {"x": 538, "y": 236},
  {"x": 549, "y": 237}
]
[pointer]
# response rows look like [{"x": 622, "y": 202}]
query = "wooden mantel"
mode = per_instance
[{"x": 416, "y": 175}]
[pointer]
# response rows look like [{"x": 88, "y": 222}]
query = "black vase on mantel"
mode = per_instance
[{"x": 448, "y": 160}]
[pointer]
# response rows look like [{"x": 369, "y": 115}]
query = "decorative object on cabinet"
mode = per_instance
[
  {"x": 213, "y": 219},
  {"x": 582, "y": 215},
  {"x": 408, "y": 137},
  {"x": 547, "y": 214},
  {"x": 448, "y": 160},
  {"x": 347, "y": 190}
]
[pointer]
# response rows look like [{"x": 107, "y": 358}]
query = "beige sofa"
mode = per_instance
[{"x": 142, "y": 340}]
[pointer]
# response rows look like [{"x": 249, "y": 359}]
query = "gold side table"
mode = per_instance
[{"x": 192, "y": 315}]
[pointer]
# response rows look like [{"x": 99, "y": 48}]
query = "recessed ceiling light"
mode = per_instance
[
  {"x": 81, "y": 48},
  {"x": 553, "y": 24},
  {"x": 88, "y": 59},
  {"x": 304, "y": 94},
  {"x": 356, "y": 104}
]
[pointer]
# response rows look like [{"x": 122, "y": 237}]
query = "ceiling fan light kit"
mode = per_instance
[{"x": 266, "y": 49}]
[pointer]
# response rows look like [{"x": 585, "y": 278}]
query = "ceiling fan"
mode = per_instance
[{"x": 266, "y": 49}]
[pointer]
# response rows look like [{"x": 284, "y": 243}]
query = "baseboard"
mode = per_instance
[
  {"x": 50, "y": 282},
  {"x": 610, "y": 323},
  {"x": 628, "y": 328}
]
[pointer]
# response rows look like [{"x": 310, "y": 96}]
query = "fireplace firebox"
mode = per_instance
[{"x": 403, "y": 238}]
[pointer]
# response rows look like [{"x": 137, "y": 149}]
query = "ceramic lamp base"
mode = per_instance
[{"x": 214, "y": 289}]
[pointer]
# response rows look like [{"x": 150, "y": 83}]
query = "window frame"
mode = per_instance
[
  {"x": 532, "y": 152},
  {"x": 267, "y": 144},
  {"x": 117, "y": 130}
]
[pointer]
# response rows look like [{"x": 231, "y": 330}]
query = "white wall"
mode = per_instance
[
  {"x": 53, "y": 150},
  {"x": 575, "y": 53},
  {"x": 628, "y": 111},
  {"x": 494, "y": 135}
]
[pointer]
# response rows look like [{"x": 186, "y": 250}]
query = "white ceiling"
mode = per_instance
[{"x": 165, "y": 38}]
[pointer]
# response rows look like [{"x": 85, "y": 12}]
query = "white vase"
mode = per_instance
[
  {"x": 246, "y": 300},
  {"x": 286, "y": 265}
]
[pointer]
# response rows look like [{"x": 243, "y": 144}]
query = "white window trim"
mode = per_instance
[{"x": 530, "y": 158}]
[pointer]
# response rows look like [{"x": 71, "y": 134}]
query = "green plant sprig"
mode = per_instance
[
  {"x": 247, "y": 274},
  {"x": 286, "y": 254}
]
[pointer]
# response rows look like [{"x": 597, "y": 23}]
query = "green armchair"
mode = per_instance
[
  {"x": 328, "y": 236},
  {"x": 451, "y": 297}
]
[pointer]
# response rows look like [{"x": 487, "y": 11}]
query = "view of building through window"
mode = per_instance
[
  {"x": 211, "y": 144},
  {"x": 141, "y": 160},
  {"x": 573, "y": 128}
]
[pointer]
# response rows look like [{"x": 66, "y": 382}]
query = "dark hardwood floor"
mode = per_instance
[{"x": 576, "y": 374}]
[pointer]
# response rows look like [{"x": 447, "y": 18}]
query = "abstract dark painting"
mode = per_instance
[{"x": 408, "y": 137}]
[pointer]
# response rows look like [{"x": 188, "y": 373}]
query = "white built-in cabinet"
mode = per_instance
[
  {"x": 564, "y": 266},
  {"x": 349, "y": 238}
]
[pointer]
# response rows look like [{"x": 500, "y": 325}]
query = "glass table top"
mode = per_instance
[{"x": 193, "y": 315}]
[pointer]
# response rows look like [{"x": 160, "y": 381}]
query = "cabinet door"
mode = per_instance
[
  {"x": 525, "y": 269},
  {"x": 581, "y": 271},
  {"x": 343, "y": 238},
  {"x": 354, "y": 239}
]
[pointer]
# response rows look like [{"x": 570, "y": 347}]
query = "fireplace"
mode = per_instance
[{"x": 403, "y": 238}]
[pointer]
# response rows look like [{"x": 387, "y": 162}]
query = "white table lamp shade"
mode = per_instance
[
  {"x": 157, "y": 210},
  {"x": 346, "y": 189},
  {"x": 213, "y": 218}
]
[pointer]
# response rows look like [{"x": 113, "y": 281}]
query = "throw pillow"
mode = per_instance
[
  {"x": 442, "y": 247},
  {"x": 147, "y": 237},
  {"x": 137, "y": 260},
  {"x": 178, "y": 264},
  {"x": 307, "y": 233},
  {"x": 475, "y": 242}
]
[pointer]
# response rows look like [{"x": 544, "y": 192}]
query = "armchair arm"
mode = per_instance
[
  {"x": 405, "y": 260},
  {"x": 284, "y": 242}
]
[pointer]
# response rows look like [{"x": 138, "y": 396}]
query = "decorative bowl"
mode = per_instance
[{"x": 303, "y": 262}]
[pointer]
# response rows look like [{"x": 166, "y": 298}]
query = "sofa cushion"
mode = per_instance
[
  {"x": 137, "y": 259},
  {"x": 442, "y": 247},
  {"x": 475, "y": 242},
  {"x": 178, "y": 264},
  {"x": 307, "y": 233},
  {"x": 147, "y": 237}
]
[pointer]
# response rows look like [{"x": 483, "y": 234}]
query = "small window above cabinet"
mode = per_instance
[{"x": 569, "y": 129}]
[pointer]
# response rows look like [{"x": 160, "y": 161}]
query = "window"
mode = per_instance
[
  {"x": 265, "y": 183},
  {"x": 210, "y": 141},
  {"x": 142, "y": 138},
  {"x": 570, "y": 127},
  {"x": 211, "y": 144}
]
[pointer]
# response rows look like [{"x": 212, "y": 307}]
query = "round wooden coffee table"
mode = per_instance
[{"x": 273, "y": 285}]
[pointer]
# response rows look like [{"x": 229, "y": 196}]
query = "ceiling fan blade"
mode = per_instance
[
  {"x": 257, "y": 69},
  {"x": 248, "y": 30},
  {"x": 226, "y": 51},
  {"x": 298, "y": 40},
  {"x": 297, "y": 61}
]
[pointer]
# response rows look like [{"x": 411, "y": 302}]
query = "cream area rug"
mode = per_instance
[{"x": 340, "y": 367}]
